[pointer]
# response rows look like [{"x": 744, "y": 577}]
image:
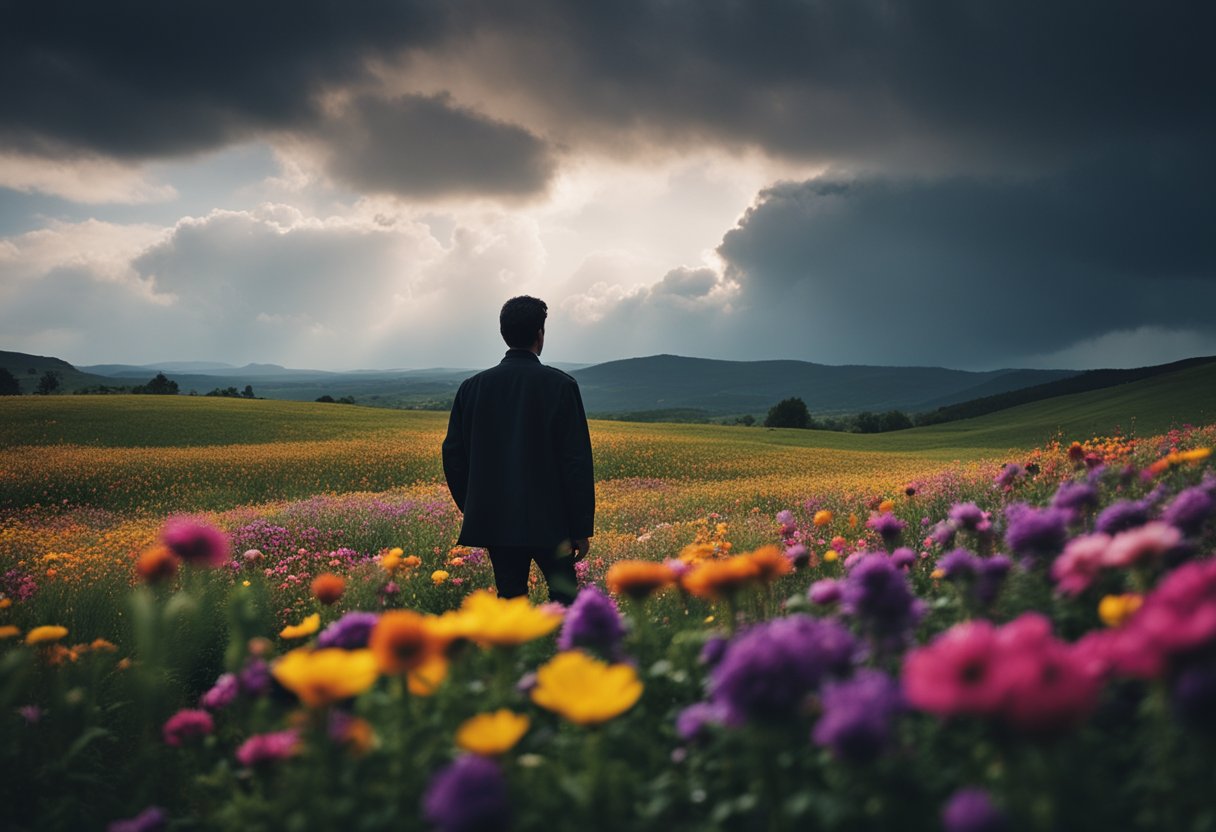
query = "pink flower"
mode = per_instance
[
  {"x": 187, "y": 724},
  {"x": 956, "y": 673},
  {"x": 1080, "y": 562},
  {"x": 196, "y": 543},
  {"x": 268, "y": 748},
  {"x": 1150, "y": 541}
]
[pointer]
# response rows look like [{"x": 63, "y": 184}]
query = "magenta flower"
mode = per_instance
[
  {"x": 195, "y": 543},
  {"x": 971, "y": 810},
  {"x": 1150, "y": 542},
  {"x": 268, "y": 748},
  {"x": 826, "y": 591},
  {"x": 1080, "y": 562},
  {"x": 152, "y": 819},
  {"x": 187, "y": 724},
  {"x": 222, "y": 694},
  {"x": 956, "y": 673}
]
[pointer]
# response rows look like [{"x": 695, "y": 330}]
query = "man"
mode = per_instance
[{"x": 517, "y": 458}]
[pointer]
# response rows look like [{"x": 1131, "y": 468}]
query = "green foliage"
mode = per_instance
[
  {"x": 48, "y": 383},
  {"x": 160, "y": 385},
  {"x": 9, "y": 386},
  {"x": 788, "y": 413}
]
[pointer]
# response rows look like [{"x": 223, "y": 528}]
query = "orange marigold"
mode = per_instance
[
  {"x": 403, "y": 641},
  {"x": 638, "y": 579},
  {"x": 771, "y": 562},
  {"x": 157, "y": 564},
  {"x": 328, "y": 587},
  {"x": 720, "y": 578}
]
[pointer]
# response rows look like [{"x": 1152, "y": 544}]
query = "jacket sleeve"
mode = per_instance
[
  {"x": 578, "y": 473},
  {"x": 455, "y": 455}
]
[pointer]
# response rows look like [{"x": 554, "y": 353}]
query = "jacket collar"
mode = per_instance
[{"x": 520, "y": 355}]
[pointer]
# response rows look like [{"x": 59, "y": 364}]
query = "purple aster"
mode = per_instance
[
  {"x": 593, "y": 621},
  {"x": 693, "y": 720},
  {"x": 990, "y": 578},
  {"x": 769, "y": 670},
  {"x": 713, "y": 650},
  {"x": 903, "y": 557},
  {"x": 959, "y": 565},
  {"x": 222, "y": 694},
  {"x": 888, "y": 526},
  {"x": 858, "y": 715},
  {"x": 350, "y": 632},
  {"x": 1189, "y": 510},
  {"x": 967, "y": 517},
  {"x": 255, "y": 677},
  {"x": 32, "y": 714},
  {"x": 1036, "y": 532},
  {"x": 943, "y": 533},
  {"x": 470, "y": 795},
  {"x": 1075, "y": 496},
  {"x": 971, "y": 810},
  {"x": 826, "y": 591},
  {"x": 1011, "y": 472},
  {"x": 876, "y": 592},
  {"x": 799, "y": 555},
  {"x": 196, "y": 543},
  {"x": 1122, "y": 515},
  {"x": 152, "y": 819}
]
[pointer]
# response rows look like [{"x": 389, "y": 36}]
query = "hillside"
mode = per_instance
[{"x": 28, "y": 369}]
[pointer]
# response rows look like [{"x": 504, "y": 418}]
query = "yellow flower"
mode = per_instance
[
  {"x": 1115, "y": 609},
  {"x": 489, "y": 620},
  {"x": 439, "y": 576},
  {"x": 9, "y": 631},
  {"x": 305, "y": 628},
  {"x": 391, "y": 561},
  {"x": 1194, "y": 455},
  {"x": 396, "y": 552},
  {"x": 102, "y": 645},
  {"x": 426, "y": 678},
  {"x": 49, "y": 632},
  {"x": 822, "y": 517},
  {"x": 321, "y": 677},
  {"x": 403, "y": 641},
  {"x": 584, "y": 690},
  {"x": 492, "y": 734},
  {"x": 830, "y": 555},
  {"x": 938, "y": 574},
  {"x": 244, "y": 583}
]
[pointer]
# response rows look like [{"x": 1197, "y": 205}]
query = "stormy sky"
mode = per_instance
[{"x": 361, "y": 185}]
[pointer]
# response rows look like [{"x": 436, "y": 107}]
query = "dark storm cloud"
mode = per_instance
[
  {"x": 424, "y": 146},
  {"x": 967, "y": 272}
]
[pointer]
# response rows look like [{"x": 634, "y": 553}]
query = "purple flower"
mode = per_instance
[
  {"x": 877, "y": 594},
  {"x": 798, "y": 554},
  {"x": 943, "y": 533},
  {"x": 1036, "y": 532},
  {"x": 187, "y": 724},
  {"x": 826, "y": 591},
  {"x": 959, "y": 565},
  {"x": 888, "y": 526},
  {"x": 350, "y": 632},
  {"x": 1075, "y": 496},
  {"x": 1194, "y": 695},
  {"x": 903, "y": 557},
  {"x": 268, "y": 748},
  {"x": 967, "y": 517},
  {"x": 594, "y": 622},
  {"x": 713, "y": 650},
  {"x": 692, "y": 721},
  {"x": 1121, "y": 516},
  {"x": 992, "y": 574},
  {"x": 255, "y": 677},
  {"x": 770, "y": 669},
  {"x": 152, "y": 819},
  {"x": 1011, "y": 472},
  {"x": 1189, "y": 510},
  {"x": 222, "y": 694},
  {"x": 32, "y": 714},
  {"x": 470, "y": 795},
  {"x": 196, "y": 543},
  {"x": 971, "y": 810},
  {"x": 858, "y": 715}
]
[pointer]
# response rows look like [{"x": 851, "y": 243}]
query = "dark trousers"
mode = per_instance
[{"x": 511, "y": 565}]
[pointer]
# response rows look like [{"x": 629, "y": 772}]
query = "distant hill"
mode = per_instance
[
  {"x": 29, "y": 369},
  {"x": 721, "y": 388}
]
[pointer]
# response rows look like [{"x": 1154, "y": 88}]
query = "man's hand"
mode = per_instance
[{"x": 579, "y": 548}]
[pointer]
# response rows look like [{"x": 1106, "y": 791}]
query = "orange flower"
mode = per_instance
[
  {"x": 157, "y": 564},
  {"x": 822, "y": 518},
  {"x": 885, "y": 506},
  {"x": 720, "y": 578},
  {"x": 328, "y": 587},
  {"x": 771, "y": 563},
  {"x": 403, "y": 641},
  {"x": 638, "y": 578}
]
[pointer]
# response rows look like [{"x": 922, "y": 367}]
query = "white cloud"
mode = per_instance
[{"x": 89, "y": 180}]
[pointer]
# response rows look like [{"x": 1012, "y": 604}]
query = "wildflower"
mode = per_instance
[
  {"x": 198, "y": 544},
  {"x": 157, "y": 564},
  {"x": 187, "y": 724},
  {"x": 886, "y": 506},
  {"x": 439, "y": 576},
  {"x": 967, "y": 517},
  {"x": 822, "y": 518},
  {"x": 826, "y": 591},
  {"x": 1080, "y": 562},
  {"x": 692, "y": 722},
  {"x": 470, "y": 795},
  {"x": 903, "y": 557},
  {"x": 352, "y": 731},
  {"x": 798, "y": 555},
  {"x": 888, "y": 526},
  {"x": 492, "y": 734},
  {"x": 830, "y": 556},
  {"x": 959, "y": 565},
  {"x": 1189, "y": 510},
  {"x": 152, "y": 819},
  {"x": 268, "y": 748},
  {"x": 1036, "y": 532},
  {"x": 992, "y": 574},
  {"x": 721, "y": 578},
  {"x": 403, "y": 641},
  {"x": 858, "y": 715},
  {"x": 328, "y": 587},
  {"x": 1047, "y": 689},
  {"x": 713, "y": 650},
  {"x": 222, "y": 694},
  {"x": 956, "y": 673},
  {"x": 786, "y": 519},
  {"x": 1116, "y": 609},
  {"x": 305, "y": 628},
  {"x": 1075, "y": 496},
  {"x": 9, "y": 631},
  {"x": 32, "y": 714},
  {"x": 593, "y": 622},
  {"x": 877, "y": 593},
  {"x": 584, "y": 690},
  {"x": 1011, "y": 472},
  {"x": 1121, "y": 516},
  {"x": 322, "y": 677},
  {"x": 45, "y": 633},
  {"x": 971, "y": 810},
  {"x": 1151, "y": 541},
  {"x": 350, "y": 632},
  {"x": 769, "y": 670},
  {"x": 492, "y": 621},
  {"x": 255, "y": 677},
  {"x": 1194, "y": 695},
  {"x": 638, "y": 579}
]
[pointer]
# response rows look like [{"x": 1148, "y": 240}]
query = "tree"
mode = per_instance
[
  {"x": 247, "y": 393},
  {"x": 328, "y": 399},
  {"x": 788, "y": 413},
  {"x": 48, "y": 384},
  {"x": 9, "y": 386},
  {"x": 162, "y": 385}
]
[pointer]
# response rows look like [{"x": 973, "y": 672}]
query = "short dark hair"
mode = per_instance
[{"x": 520, "y": 319}]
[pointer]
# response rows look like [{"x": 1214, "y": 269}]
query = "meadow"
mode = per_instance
[{"x": 251, "y": 614}]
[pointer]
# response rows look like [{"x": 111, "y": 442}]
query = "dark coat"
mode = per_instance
[{"x": 517, "y": 456}]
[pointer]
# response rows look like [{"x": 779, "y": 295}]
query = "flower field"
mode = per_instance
[{"x": 279, "y": 633}]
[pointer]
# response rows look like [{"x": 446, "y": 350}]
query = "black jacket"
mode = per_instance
[{"x": 517, "y": 456}]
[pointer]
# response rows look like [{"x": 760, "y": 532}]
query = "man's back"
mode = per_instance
[{"x": 517, "y": 456}]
